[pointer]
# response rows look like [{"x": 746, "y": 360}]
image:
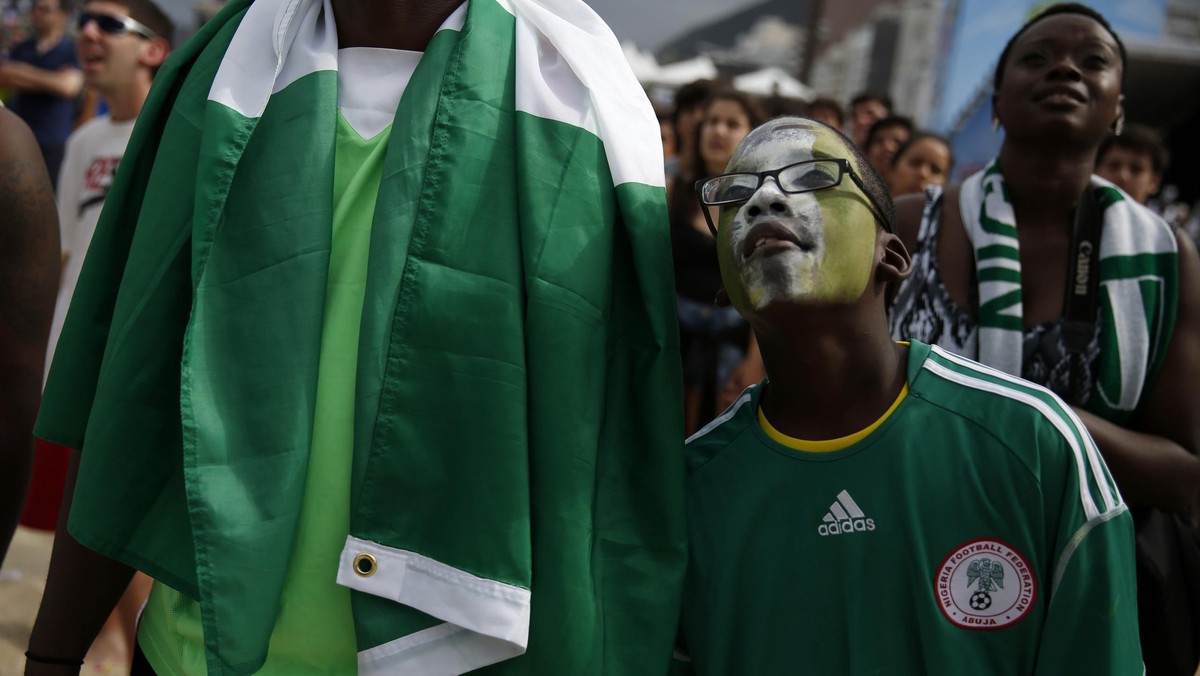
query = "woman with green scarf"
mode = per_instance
[{"x": 1115, "y": 331}]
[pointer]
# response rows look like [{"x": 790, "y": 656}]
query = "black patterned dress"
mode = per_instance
[{"x": 923, "y": 310}]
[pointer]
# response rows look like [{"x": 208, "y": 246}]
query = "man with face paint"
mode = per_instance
[{"x": 881, "y": 507}]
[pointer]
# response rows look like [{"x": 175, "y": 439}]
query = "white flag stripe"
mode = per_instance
[
  {"x": 851, "y": 505},
  {"x": 303, "y": 41},
  {"x": 572, "y": 70},
  {"x": 839, "y": 512}
]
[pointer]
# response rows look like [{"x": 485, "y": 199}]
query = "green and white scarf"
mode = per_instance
[
  {"x": 516, "y": 467},
  {"x": 1138, "y": 288}
]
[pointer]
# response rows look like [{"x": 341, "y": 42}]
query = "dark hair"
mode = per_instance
[
  {"x": 748, "y": 103},
  {"x": 683, "y": 204},
  {"x": 826, "y": 103},
  {"x": 663, "y": 112},
  {"x": 1055, "y": 10},
  {"x": 921, "y": 136},
  {"x": 867, "y": 97},
  {"x": 687, "y": 97},
  {"x": 1138, "y": 138},
  {"x": 888, "y": 123},
  {"x": 691, "y": 95}
]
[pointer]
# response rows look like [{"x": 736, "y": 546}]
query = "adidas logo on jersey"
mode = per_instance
[{"x": 845, "y": 516}]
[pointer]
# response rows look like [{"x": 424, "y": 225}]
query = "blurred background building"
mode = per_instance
[{"x": 935, "y": 58}]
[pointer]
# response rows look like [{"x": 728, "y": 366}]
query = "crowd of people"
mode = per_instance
[{"x": 375, "y": 366}]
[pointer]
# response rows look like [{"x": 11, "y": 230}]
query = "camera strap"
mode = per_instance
[{"x": 1083, "y": 284}]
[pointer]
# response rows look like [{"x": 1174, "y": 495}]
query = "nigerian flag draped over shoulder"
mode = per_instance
[{"x": 517, "y": 478}]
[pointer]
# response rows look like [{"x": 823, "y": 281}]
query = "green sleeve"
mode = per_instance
[{"x": 1091, "y": 626}]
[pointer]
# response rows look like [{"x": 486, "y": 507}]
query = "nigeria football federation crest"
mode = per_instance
[{"x": 985, "y": 584}]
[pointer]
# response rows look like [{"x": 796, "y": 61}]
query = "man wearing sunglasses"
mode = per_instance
[
  {"x": 120, "y": 53},
  {"x": 44, "y": 73},
  {"x": 880, "y": 507}
]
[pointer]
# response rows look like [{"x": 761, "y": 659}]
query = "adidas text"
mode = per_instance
[{"x": 846, "y": 526}]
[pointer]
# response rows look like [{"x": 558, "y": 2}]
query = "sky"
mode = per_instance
[{"x": 651, "y": 23}]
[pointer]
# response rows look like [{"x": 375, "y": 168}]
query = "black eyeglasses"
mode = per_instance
[
  {"x": 115, "y": 25},
  {"x": 801, "y": 177}
]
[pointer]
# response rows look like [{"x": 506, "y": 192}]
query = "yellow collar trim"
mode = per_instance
[{"x": 828, "y": 445}]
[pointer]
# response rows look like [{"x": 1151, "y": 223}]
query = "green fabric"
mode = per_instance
[
  {"x": 314, "y": 632},
  {"x": 772, "y": 590},
  {"x": 517, "y": 389},
  {"x": 315, "y": 618}
]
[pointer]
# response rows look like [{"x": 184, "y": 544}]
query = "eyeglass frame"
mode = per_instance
[
  {"x": 128, "y": 24},
  {"x": 844, "y": 168}
]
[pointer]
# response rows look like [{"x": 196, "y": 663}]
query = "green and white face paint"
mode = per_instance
[{"x": 816, "y": 247}]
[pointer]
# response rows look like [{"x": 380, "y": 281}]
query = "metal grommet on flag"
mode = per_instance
[{"x": 365, "y": 565}]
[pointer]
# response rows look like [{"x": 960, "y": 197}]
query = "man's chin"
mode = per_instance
[{"x": 792, "y": 301}]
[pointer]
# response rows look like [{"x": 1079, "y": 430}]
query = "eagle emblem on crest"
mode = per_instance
[{"x": 989, "y": 573}]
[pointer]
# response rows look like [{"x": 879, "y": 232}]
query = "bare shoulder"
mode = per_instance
[
  {"x": 25, "y": 189},
  {"x": 29, "y": 246},
  {"x": 1189, "y": 281},
  {"x": 911, "y": 208},
  {"x": 16, "y": 140}
]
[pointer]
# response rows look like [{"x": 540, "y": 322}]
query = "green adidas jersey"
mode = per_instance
[{"x": 976, "y": 530}]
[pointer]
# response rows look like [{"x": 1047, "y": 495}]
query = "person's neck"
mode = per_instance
[
  {"x": 124, "y": 104},
  {"x": 390, "y": 24},
  {"x": 49, "y": 39},
  {"x": 1043, "y": 183},
  {"x": 829, "y": 375}
]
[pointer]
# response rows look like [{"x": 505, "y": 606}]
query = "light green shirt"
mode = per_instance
[{"x": 314, "y": 631}]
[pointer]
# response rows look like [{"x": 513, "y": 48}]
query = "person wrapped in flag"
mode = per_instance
[
  {"x": 373, "y": 362},
  {"x": 876, "y": 507}
]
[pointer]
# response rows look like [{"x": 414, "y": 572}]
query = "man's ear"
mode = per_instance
[
  {"x": 154, "y": 52},
  {"x": 895, "y": 265}
]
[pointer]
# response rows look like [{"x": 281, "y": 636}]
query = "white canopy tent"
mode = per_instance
[
  {"x": 774, "y": 81},
  {"x": 645, "y": 67},
  {"x": 683, "y": 72}
]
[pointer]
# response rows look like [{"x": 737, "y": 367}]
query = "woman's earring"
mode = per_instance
[
  {"x": 995, "y": 123},
  {"x": 1119, "y": 126}
]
